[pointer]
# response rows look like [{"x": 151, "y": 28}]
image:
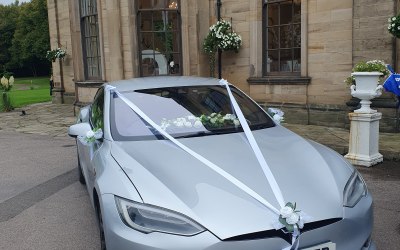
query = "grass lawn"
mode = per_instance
[{"x": 30, "y": 90}]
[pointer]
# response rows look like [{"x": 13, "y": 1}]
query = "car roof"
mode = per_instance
[{"x": 161, "y": 82}]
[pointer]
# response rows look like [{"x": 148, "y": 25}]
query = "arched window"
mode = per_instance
[
  {"x": 282, "y": 37},
  {"x": 159, "y": 34}
]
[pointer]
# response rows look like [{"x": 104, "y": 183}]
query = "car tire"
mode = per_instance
[
  {"x": 101, "y": 228},
  {"x": 81, "y": 176}
]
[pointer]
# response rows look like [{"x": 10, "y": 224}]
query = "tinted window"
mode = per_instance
[
  {"x": 97, "y": 110},
  {"x": 183, "y": 112}
]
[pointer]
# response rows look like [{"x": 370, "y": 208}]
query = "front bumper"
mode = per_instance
[{"x": 350, "y": 233}]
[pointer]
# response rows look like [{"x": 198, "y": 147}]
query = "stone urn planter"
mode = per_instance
[
  {"x": 367, "y": 88},
  {"x": 364, "y": 127}
]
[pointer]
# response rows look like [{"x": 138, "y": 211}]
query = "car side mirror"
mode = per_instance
[
  {"x": 79, "y": 129},
  {"x": 84, "y": 114}
]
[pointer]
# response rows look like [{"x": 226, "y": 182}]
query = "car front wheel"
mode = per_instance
[
  {"x": 101, "y": 228},
  {"x": 81, "y": 177}
]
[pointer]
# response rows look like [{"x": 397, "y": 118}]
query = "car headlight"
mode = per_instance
[
  {"x": 148, "y": 218},
  {"x": 354, "y": 190}
]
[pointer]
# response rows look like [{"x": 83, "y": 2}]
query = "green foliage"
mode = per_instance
[
  {"x": 6, "y": 74},
  {"x": 9, "y": 16},
  {"x": 24, "y": 37},
  {"x": 5, "y": 104},
  {"x": 217, "y": 120},
  {"x": 370, "y": 66},
  {"x": 166, "y": 38}
]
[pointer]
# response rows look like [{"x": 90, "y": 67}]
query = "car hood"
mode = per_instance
[{"x": 166, "y": 176}]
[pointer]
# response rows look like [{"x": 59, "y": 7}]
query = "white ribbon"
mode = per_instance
[
  {"x": 271, "y": 180},
  {"x": 256, "y": 149}
]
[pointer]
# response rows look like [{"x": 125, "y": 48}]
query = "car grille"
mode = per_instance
[{"x": 280, "y": 234}]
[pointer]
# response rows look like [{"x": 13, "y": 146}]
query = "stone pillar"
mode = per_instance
[
  {"x": 114, "y": 40},
  {"x": 364, "y": 139}
]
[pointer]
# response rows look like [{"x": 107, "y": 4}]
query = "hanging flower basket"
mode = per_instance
[
  {"x": 221, "y": 36},
  {"x": 54, "y": 54},
  {"x": 394, "y": 26}
]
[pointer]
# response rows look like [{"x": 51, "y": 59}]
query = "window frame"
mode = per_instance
[
  {"x": 85, "y": 37},
  {"x": 265, "y": 42},
  {"x": 140, "y": 32}
]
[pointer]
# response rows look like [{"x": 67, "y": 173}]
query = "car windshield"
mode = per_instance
[{"x": 183, "y": 112}]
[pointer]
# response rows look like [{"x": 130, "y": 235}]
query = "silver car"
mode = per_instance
[{"x": 148, "y": 193}]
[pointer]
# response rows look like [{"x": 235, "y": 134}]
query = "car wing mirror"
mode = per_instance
[
  {"x": 84, "y": 114},
  {"x": 79, "y": 129}
]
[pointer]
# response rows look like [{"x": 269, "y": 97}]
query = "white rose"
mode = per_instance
[
  {"x": 278, "y": 118},
  {"x": 393, "y": 18},
  {"x": 213, "y": 120},
  {"x": 3, "y": 80},
  {"x": 293, "y": 219},
  {"x": 198, "y": 124},
  {"x": 228, "y": 117},
  {"x": 172, "y": 64},
  {"x": 286, "y": 212},
  {"x": 11, "y": 80},
  {"x": 236, "y": 122},
  {"x": 90, "y": 134}
]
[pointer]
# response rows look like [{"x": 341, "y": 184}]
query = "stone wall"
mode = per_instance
[
  {"x": 335, "y": 35},
  {"x": 60, "y": 36},
  {"x": 371, "y": 41}
]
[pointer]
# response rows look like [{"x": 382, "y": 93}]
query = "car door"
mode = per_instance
[{"x": 90, "y": 150}]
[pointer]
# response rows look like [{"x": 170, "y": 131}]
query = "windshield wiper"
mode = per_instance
[
  {"x": 213, "y": 132},
  {"x": 197, "y": 134}
]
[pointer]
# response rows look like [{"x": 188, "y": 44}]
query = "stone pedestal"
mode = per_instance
[{"x": 364, "y": 139}]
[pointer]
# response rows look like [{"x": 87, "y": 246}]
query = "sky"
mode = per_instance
[{"x": 7, "y": 2}]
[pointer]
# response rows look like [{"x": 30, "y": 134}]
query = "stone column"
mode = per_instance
[
  {"x": 114, "y": 40},
  {"x": 364, "y": 139}
]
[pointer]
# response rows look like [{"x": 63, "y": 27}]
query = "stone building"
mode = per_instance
[{"x": 295, "y": 53}]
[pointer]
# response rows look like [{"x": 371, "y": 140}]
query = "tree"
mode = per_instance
[
  {"x": 9, "y": 16},
  {"x": 31, "y": 38}
]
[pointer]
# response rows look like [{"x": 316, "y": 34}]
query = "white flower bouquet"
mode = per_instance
[
  {"x": 221, "y": 36},
  {"x": 394, "y": 26},
  {"x": 277, "y": 115}
]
